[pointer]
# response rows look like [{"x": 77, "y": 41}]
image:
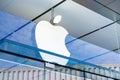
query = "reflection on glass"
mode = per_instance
[{"x": 76, "y": 61}]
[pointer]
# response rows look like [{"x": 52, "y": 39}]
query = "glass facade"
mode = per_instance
[
  {"x": 12, "y": 58},
  {"x": 92, "y": 41}
]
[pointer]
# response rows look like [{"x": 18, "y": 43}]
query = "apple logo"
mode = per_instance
[{"x": 51, "y": 37}]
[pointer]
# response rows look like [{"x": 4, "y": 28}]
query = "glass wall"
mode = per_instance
[
  {"x": 91, "y": 36},
  {"x": 76, "y": 69}
]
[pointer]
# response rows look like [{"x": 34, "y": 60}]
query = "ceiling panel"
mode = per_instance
[
  {"x": 101, "y": 7},
  {"x": 106, "y": 38},
  {"x": 89, "y": 4},
  {"x": 115, "y": 6},
  {"x": 27, "y": 9},
  {"x": 106, "y": 2}
]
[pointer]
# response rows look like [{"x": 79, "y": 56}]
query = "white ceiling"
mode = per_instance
[{"x": 77, "y": 19}]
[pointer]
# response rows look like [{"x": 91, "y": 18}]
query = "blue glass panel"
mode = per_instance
[{"x": 78, "y": 49}]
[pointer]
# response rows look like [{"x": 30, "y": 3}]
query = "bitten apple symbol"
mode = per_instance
[{"x": 52, "y": 38}]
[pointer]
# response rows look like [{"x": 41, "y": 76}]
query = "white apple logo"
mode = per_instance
[{"x": 52, "y": 38}]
